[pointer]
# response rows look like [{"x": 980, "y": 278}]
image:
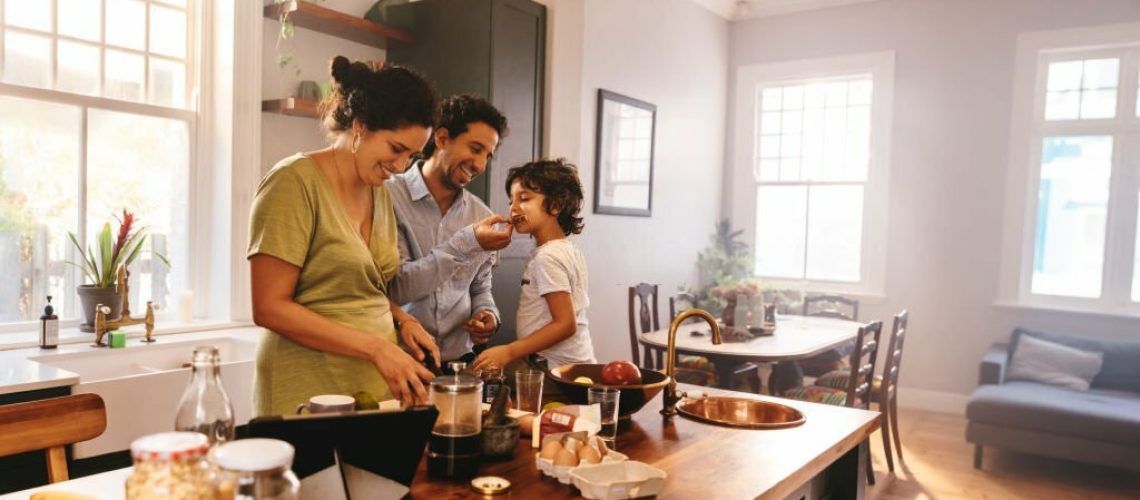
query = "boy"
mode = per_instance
[{"x": 545, "y": 197}]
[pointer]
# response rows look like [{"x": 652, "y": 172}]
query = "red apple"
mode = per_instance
[{"x": 621, "y": 373}]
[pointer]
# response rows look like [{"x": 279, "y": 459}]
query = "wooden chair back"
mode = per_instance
[
  {"x": 894, "y": 358},
  {"x": 831, "y": 306},
  {"x": 50, "y": 425},
  {"x": 642, "y": 297},
  {"x": 677, "y": 300},
  {"x": 863, "y": 359}
]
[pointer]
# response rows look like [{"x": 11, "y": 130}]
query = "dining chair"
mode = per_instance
[
  {"x": 859, "y": 389},
  {"x": 884, "y": 388},
  {"x": 748, "y": 372},
  {"x": 641, "y": 322},
  {"x": 50, "y": 425},
  {"x": 828, "y": 306}
]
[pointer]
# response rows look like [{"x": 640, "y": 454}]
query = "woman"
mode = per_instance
[{"x": 322, "y": 249}]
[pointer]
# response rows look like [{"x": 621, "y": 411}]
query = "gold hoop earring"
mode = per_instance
[{"x": 355, "y": 143}]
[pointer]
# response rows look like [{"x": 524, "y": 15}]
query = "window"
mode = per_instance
[
  {"x": 1076, "y": 174},
  {"x": 96, "y": 116},
  {"x": 818, "y": 164}
]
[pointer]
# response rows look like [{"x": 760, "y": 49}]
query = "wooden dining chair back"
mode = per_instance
[
  {"x": 831, "y": 306},
  {"x": 679, "y": 299},
  {"x": 887, "y": 396},
  {"x": 642, "y": 297},
  {"x": 51, "y": 425},
  {"x": 863, "y": 359}
]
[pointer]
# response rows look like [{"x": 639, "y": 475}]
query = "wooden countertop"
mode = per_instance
[{"x": 700, "y": 459}]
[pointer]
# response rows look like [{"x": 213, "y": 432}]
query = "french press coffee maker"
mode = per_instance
[{"x": 453, "y": 451}]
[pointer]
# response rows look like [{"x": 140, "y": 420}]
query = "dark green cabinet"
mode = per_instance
[{"x": 490, "y": 48}]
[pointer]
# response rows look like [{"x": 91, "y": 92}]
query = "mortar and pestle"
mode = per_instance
[{"x": 500, "y": 434}]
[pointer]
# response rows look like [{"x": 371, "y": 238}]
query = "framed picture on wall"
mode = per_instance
[{"x": 623, "y": 176}]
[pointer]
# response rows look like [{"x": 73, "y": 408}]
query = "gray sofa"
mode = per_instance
[{"x": 1101, "y": 425}]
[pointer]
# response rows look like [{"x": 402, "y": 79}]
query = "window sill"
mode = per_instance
[
  {"x": 1052, "y": 308},
  {"x": 72, "y": 335}
]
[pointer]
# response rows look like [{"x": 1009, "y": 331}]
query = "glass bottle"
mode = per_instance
[
  {"x": 257, "y": 469},
  {"x": 492, "y": 379},
  {"x": 205, "y": 407}
]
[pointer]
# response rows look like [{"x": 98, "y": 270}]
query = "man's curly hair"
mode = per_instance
[
  {"x": 558, "y": 181},
  {"x": 458, "y": 112}
]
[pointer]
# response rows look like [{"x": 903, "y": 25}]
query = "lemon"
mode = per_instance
[
  {"x": 584, "y": 380},
  {"x": 552, "y": 405},
  {"x": 365, "y": 401}
]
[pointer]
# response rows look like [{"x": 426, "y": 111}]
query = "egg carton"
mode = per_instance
[
  {"x": 629, "y": 479},
  {"x": 562, "y": 472}
]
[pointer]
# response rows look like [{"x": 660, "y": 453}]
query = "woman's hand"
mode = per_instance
[
  {"x": 405, "y": 377},
  {"x": 413, "y": 335},
  {"x": 495, "y": 357}
]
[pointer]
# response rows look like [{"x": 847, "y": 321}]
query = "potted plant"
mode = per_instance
[{"x": 101, "y": 269}]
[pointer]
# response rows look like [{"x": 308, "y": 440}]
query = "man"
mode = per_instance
[{"x": 448, "y": 236}]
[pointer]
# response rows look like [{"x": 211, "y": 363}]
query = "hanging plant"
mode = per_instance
[{"x": 286, "y": 31}]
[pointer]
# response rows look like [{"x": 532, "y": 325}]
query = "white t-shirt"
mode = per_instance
[{"x": 556, "y": 266}]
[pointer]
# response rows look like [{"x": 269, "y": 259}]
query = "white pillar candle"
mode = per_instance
[{"x": 186, "y": 306}]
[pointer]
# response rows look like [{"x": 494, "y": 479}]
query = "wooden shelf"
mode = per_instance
[
  {"x": 314, "y": 17},
  {"x": 292, "y": 106}
]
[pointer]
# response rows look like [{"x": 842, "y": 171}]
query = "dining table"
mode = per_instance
[{"x": 794, "y": 338}]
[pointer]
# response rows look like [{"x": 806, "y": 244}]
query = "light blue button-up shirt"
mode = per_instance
[{"x": 445, "y": 276}]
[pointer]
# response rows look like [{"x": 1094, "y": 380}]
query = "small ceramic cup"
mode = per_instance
[{"x": 328, "y": 403}]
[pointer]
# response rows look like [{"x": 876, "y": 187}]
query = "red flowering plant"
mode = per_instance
[{"x": 102, "y": 269}]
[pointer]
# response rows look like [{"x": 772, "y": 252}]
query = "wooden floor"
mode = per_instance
[{"x": 939, "y": 464}]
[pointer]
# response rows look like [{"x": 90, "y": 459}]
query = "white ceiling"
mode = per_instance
[{"x": 736, "y": 10}]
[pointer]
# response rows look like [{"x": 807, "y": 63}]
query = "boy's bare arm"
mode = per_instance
[{"x": 562, "y": 326}]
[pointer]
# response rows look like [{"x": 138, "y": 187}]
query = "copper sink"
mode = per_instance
[{"x": 740, "y": 412}]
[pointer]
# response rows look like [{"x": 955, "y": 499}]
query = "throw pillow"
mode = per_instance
[{"x": 1039, "y": 360}]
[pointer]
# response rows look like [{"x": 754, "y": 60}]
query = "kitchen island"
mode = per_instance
[{"x": 816, "y": 459}]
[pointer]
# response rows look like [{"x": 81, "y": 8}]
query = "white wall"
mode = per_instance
[
  {"x": 313, "y": 52},
  {"x": 953, "y": 92},
  {"x": 673, "y": 54}
]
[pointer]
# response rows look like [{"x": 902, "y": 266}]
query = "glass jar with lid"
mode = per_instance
[
  {"x": 171, "y": 465},
  {"x": 256, "y": 469}
]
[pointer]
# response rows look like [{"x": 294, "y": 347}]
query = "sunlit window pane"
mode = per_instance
[
  {"x": 35, "y": 14},
  {"x": 167, "y": 31},
  {"x": 27, "y": 59},
  {"x": 80, "y": 19},
  {"x": 1082, "y": 89},
  {"x": 125, "y": 76},
  {"x": 1072, "y": 208},
  {"x": 781, "y": 219},
  {"x": 771, "y": 99},
  {"x": 141, "y": 164},
  {"x": 39, "y": 171},
  {"x": 78, "y": 69},
  {"x": 126, "y": 24},
  {"x": 835, "y": 231},
  {"x": 167, "y": 83}
]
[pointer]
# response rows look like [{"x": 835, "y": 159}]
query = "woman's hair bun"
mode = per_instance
[{"x": 342, "y": 71}]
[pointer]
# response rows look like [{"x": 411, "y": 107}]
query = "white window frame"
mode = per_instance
[
  {"x": 1028, "y": 128},
  {"x": 880, "y": 66},
  {"x": 199, "y": 115}
]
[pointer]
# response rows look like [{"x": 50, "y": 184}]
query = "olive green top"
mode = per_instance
[{"x": 297, "y": 217}]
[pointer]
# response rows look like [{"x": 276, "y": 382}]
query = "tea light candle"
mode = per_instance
[{"x": 186, "y": 306}]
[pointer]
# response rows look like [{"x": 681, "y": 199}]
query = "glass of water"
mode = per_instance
[{"x": 607, "y": 398}]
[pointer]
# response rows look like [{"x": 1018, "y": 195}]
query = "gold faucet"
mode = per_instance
[
  {"x": 103, "y": 325},
  {"x": 672, "y": 395}
]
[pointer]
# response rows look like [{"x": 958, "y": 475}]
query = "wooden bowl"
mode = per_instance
[{"x": 632, "y": 399}]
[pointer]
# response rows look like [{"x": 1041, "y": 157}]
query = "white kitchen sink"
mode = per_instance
[{"x": 141, "y": 385}]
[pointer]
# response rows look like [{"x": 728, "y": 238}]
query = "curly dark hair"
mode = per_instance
[
  {"x": 558, "y": 181},
  {"x": 380, "y": 95},
  {"x": 457, "y": 112}
]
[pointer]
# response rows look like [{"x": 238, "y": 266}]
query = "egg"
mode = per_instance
[
  {"x": 550, "y": 450},
  {"x": 564, "y": 457},
  {"x": 572, "y": 445},
  {"x": 602, "y": 450},
  {"x": 588, "y": 455}
]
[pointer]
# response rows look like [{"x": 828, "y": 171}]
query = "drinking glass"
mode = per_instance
[
  {"x": 528, "y": 390},
  {"x": 607, "y": 398}
]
